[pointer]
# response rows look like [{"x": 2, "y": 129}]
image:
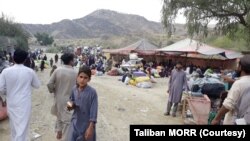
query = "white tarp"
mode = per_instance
[{"x": 191, "y": 46}]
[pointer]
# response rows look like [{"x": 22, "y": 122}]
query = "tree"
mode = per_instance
[
  {"x": 44, "y": 38},
  {"x": 232, "y": 16},
  {"x": 14, "y": 30}
]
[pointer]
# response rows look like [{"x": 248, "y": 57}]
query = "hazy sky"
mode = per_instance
[{"x": 49, "y": 11}]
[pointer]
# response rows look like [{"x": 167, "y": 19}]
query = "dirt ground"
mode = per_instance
[{"x": 120, "y": 105}]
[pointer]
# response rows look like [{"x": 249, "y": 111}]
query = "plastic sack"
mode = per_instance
[
  {"x": 142, "y": 79},
  {"x": 144, "y": 85}
]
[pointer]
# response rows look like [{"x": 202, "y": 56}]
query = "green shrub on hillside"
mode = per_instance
[
  {"x": 237, "y": 44},
  {"x": 13, "y": 30},
  {"x": 44, "y": 38}
]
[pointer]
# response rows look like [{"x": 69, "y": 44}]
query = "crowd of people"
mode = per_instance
[
  {"x": 76, "y": 103},
  {"x": 67, "y": 86}
]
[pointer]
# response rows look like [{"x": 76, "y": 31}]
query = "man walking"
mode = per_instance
[
  {"x": 61, "y": 83},
  {"x": 56, "y": 58},
  {"x": 16, "y": 82}
]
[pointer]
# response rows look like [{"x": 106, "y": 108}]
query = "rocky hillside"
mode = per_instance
[
  {"x": 108, "y": 28},
  {"x": 100, "y": 23}
]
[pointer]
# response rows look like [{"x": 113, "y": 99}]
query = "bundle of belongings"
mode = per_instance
[
  {"x": 211, "y": 86},
  {"x": 115, "y": 72},
  {"x": 139, "y": 79},
  {"x": 207, "y": 85},
  {"x": 153, "y": 72}
]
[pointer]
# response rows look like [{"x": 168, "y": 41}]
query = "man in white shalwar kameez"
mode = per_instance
[
  {"x": 61, "y": 84},
  {"x": 236, "y": 106},
  {"x": 17, "y": 82}
]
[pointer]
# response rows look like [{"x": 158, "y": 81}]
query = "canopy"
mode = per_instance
[
  {"x": 142, "y": 47},
  {"x": 191, "y": 46}
]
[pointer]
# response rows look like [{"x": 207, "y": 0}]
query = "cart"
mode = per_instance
[{"x": 197, "y": 109}]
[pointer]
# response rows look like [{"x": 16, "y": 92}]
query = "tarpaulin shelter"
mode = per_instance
[
  {"x": 197, "y": 53},
  {"x": 141, "y": 47},
  {"x": 200, "y": 50}
]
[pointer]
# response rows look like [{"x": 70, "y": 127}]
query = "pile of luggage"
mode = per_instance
[{"x": 210, "y": 86}]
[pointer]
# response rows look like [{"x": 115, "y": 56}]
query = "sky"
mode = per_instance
[{"x": 50, "y": 11}]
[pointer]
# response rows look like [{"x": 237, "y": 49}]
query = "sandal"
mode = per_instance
[{"x": 59, "y": 135}]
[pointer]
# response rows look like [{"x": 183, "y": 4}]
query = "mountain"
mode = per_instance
[{"x": 102, "y": 24}]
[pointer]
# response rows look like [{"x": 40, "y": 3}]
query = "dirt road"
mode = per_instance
[{"x": 120, "y": 105}]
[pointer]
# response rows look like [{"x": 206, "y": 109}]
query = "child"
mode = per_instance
[
  {"x": 53, "y": 69},
  {"x": 83, "y": 101}
]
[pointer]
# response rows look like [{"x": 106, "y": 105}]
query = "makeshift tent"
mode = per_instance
[
  {"x": 188, "y": 46},
  {"x": 142, "y": 47}
]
